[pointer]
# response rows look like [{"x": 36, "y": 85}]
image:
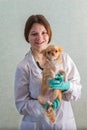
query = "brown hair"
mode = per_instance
[{"x": 37, "y": 19}]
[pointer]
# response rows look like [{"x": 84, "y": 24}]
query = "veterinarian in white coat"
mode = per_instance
[{"x": 28, "y": 81}]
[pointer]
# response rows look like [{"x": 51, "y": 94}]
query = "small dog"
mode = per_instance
[{"x": 51, "y": 68}]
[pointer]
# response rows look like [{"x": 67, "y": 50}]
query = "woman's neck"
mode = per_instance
[
  {"x": 37, "y": 54},
  {"x": 38, "y": 57}
]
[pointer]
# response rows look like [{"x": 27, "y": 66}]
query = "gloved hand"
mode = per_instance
[
  {"x": 58, "y": 83},
  {"x": 55, "y": 103}
]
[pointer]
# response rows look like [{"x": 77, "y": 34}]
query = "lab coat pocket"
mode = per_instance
[
  {"x": 28, "y": 125},
  {"x": 35, "y": 79}
]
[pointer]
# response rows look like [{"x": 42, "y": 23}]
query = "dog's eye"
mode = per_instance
[
  {"x": 48, "y": 52},
  {"x": 56, "y": 51}
]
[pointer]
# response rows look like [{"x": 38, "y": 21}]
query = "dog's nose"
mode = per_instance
[{"x": 52, "y": 54}]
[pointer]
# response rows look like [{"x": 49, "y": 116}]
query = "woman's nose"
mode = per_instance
[{"x": 39, "y": 36}]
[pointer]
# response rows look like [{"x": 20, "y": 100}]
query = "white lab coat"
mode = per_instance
[{"x": 28, "y": 85}]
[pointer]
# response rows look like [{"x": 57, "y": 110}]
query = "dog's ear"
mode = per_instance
[
  {"x": 60, "y": 49},
  {"x": 43, "y": 52}
]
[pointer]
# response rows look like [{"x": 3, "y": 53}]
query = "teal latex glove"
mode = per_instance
[
  {"x": 56, "y": 104},
  {"x": 59, "y": 77},
  {"x": 58, "y": 83}
]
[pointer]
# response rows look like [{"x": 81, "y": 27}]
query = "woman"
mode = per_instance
[{"x": 28, "y": 81}]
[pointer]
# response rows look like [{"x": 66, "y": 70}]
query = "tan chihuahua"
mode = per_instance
[{"x": 53, "y": 60}]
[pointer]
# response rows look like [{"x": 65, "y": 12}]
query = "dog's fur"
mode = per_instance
[{"x": 48, "y": 95}]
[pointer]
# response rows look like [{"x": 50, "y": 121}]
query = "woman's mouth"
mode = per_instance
[{"x": 39, "y": 43}]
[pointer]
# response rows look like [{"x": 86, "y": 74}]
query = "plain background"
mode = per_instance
[{"x": 68, "y": 19}]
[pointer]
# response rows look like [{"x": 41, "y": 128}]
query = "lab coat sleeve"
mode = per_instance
[
  {"x": 24, "y": 104},
  {"x": 73, "y": 77}
]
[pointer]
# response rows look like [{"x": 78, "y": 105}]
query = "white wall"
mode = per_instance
[{"x": 68, "y": 19}]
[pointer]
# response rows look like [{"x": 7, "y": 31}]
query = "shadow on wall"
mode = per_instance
[{"x": 82, "y": 129}]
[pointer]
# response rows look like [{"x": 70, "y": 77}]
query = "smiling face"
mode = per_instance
[{"x": 38, "y": 37}]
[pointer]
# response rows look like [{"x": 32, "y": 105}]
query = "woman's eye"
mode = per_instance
[
  {"x": 44, "y": 32},
  {"x": 34, "y": 34}
]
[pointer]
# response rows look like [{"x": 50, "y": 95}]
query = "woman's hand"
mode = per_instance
[
  {"x": 55, "y": 104},
  {"x": 59, "y": 83}
]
